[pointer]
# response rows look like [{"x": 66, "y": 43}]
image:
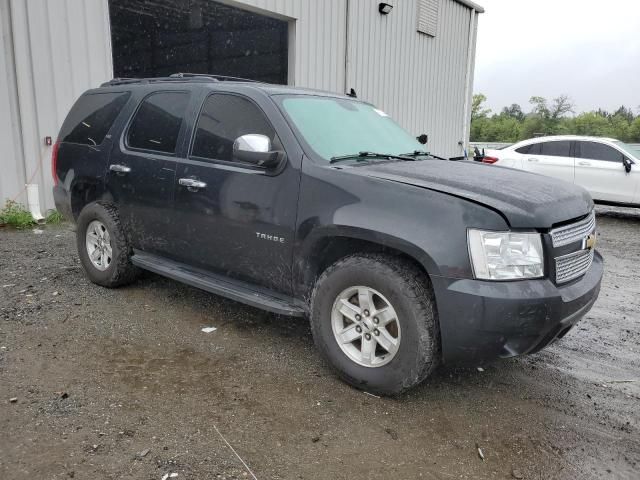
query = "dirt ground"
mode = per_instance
[{"x": 123, "y": 384}]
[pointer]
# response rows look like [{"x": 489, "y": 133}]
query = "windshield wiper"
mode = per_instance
[
  {"x": 421, "y": 153},
  {"x": 362, "y": 156}
]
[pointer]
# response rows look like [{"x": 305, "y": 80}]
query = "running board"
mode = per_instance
[{"x": 223, "y": 286}]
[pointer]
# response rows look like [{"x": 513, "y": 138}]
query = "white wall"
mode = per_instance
[{"x": 53, "y": 50}]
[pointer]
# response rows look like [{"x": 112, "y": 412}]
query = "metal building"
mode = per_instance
[{"x": 415, "y": 61}]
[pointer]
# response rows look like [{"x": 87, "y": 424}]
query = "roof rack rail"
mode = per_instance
[
  {"x": 224, "y": 78},
  {"x": 178, "y": 77}
]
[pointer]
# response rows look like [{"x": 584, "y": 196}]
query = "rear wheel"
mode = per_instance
[
  {"x": 373, "y": 318},
  {"x": 102, "y": 246}
]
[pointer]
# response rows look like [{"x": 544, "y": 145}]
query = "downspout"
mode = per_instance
[
  {"x": 346, "y": 47},
  {"x": 466, "y": 128}
]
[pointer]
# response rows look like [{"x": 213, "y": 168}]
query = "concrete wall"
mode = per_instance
[{"x": 53, "y": 50}]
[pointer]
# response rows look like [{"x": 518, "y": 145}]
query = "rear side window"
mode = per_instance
[
  {"x": 156, "y": 124},
  {"x": 91, "y": 118},
  {"x": 556, "y": 149},
  {"x": 598, "y": 151},
  {"x": 224, "y": 118},
  {"x": 533, "y": 149}
]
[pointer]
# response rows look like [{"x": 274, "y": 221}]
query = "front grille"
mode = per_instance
[
  {"x": 569, "y": 267},
  {"x": 573, "y": 233}
]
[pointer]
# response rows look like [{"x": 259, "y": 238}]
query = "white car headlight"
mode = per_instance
[{"x": 505, "y": 255}]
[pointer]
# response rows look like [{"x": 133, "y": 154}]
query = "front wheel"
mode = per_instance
[{"x": 373, "y": 318}]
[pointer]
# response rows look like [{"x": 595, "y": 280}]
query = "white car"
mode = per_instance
[{"x": 607, "y": 168}]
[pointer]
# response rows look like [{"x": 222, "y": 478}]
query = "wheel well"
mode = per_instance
[
  {"x": 83, "y": 194},
  {"x": 329, "y": 250}
]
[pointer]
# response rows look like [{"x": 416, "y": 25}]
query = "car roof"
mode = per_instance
[
  {"x": 565, "y": 137},
  {"x": 217, "y": 82}
]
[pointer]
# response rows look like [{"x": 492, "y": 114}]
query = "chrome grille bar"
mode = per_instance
[
  {"x": 575, "y": 232},
  {"x": 569, "y": 267}
]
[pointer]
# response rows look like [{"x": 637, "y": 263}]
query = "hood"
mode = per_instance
[{"x": 526, "y": 200}]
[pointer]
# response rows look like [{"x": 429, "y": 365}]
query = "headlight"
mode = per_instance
[{"x": 505, "y": 255}]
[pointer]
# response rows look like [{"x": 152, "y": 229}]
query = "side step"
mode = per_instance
[{"x": 223, "y": 286}]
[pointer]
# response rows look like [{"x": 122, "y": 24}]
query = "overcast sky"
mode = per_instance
[{"x": 587, "y": 49}]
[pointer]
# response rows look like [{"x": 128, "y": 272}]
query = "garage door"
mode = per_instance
[{"x": 153, "y": 38}]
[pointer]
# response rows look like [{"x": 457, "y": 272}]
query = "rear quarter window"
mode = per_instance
[
  {"x": 531, "y": 149},
  {"x": 91, "y": 117}
]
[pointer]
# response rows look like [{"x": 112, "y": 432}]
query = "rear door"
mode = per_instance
[
  {"x": 551, "y": 158},
  {"x": 142, "y": 168},
  {"x": 240, "y": 222},
  {"x": 599, "y": 169}
]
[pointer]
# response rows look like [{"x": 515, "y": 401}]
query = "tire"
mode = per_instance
[
  {"x": 116, "y": 269},
  {"x": 408, "y": 291}
]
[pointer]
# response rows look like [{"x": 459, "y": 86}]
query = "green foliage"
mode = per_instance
[
  {"x": 15, "y": 215},
  {"x": 550, "y": 118},
  {"x": 477, "y": 108},
  {"x": 54, "y": 217}
]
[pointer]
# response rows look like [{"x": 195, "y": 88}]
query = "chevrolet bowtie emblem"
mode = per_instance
[{"x": 589, "y": 243}]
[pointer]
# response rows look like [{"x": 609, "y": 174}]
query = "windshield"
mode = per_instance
[
  {"x": 633, "y": 150},
  {"x": 334, "y": 127}
]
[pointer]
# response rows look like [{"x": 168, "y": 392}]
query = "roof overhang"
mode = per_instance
[{"x": 472, "y": 5}]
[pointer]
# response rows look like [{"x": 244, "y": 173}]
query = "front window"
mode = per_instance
[
  {"x": 334, "y": 127},
  {"x": 631, "y": 150}
]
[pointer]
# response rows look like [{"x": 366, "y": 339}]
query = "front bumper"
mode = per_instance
[{"x": 484, "y": 320}]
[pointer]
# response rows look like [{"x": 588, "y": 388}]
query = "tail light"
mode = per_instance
[
  {"x": 54, "y": 162},
  {"x": 489, "y": 160}
]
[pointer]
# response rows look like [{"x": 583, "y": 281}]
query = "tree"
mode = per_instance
[
  {"x": 477, "y": 107},
  {"x": 561, "y": 106},
  {"x": 514, "y": 111},
  {"x": 549, "y": 118},
  {"x": 634, "y": 130},
  {"x": 540, "y": 107},
  {"x": 625, "y": 113}
]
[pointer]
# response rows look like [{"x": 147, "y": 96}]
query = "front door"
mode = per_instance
[
  {"x": 142, "y": 167},
  {"x": 600, "y": 170},
  {"x": 233, "y": 218}
]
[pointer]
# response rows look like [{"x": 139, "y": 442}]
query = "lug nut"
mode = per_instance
[
  {"x": 376, "y": 320},
  {"x": 368, "y": 336},
  {"x": 358, "y": 317},
  {"x": 359, "y": 329},
  {"x": 376, "y": 332},
  {"x": 366, "y": 313}
]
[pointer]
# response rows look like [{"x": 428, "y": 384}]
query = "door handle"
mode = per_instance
[
  {"x": 192, "y": 184},
  {"x": 584, "y": 164},
  {"x": 119, "y": 168},
  {"x": 533, "y": 160}
]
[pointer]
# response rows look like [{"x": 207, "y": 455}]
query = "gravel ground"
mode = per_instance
[{"x": 106, "y": 384}]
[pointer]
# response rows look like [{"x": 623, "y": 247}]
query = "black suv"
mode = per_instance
[{"x": 307, "y": 203}]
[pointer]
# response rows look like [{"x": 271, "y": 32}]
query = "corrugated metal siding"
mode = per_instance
[
  {"x": 50, "y": 52},
  {"x": 12, "y": 174},
  {"x": 320, "y": 36},
  {"x": 419, "y": 80},
  {"x": 428, "y": 16}
]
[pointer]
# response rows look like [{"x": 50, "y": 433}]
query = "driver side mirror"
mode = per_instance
[
  {"x": 627, "y": 164},
  {"x": 255, "y": 149}
]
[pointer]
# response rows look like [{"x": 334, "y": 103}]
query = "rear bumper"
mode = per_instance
[
  {"x": 482, "y": 321},
  {"x": 62, "y": 200}
]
